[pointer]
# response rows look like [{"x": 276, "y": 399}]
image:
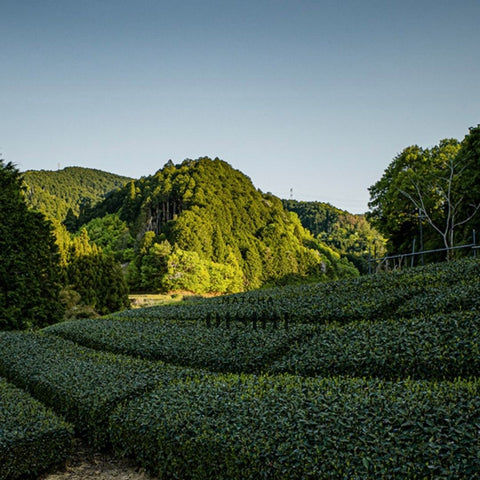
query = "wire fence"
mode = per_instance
[{"x": 397, "y": 262}]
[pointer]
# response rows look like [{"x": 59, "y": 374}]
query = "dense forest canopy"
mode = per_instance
[
  {"x": 62, "y": 194},
  {"x": 351, "y": 235},
  {"x": 430, "y": 195},
  {"x": 202, "y": 226}
]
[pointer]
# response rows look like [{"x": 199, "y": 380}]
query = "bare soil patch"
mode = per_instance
[{"x": 88, "y": 464}]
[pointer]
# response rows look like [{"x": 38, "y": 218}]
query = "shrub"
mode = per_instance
[
  {"x": 32, "y": 438},
  {"x": 438, "y": 288},
  {"x": 285, "y": 427},
  {"x": 436, "y": 347},
  {"x": 236, "y": 348},
  {"x": 82, "y": 384}
]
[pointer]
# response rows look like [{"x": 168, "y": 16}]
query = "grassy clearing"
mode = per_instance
[{"x": 144, "y": 300}]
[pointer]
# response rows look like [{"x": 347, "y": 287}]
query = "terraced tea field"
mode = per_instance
[{"x": 376, "y": 377}]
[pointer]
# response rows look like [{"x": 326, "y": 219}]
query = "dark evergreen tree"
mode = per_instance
[
  {"x": 95, "y": 276},
  {"x": 29, "y": 260},
  {"x": 71, "y": 221}
]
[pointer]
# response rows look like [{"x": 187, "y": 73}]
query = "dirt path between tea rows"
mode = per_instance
[{"x": 87, "y": 464}]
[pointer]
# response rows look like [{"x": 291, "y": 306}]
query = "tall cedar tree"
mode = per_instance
[{"x": 29, "y": 261}]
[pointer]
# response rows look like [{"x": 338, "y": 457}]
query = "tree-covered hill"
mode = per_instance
[
  {"x": 351, "y": 235},
  {"x": 91, "y": 279},
  {"x": 54, "y": 193},
  {"x": 202, "y": 226}
]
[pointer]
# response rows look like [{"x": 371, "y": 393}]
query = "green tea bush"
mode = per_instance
[
  {"x": 437, "y": 347},
  {"x": 32, "y": 438},
  {"x": 285, "y": 427},
  {"x": 236, "y": 348},
  {"x": 447, "y": 298},
  {"x": 436, "y": 288},
  {"x": 80, "y": 383}
]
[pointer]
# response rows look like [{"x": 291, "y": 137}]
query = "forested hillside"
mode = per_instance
[
  {"x": 202, "y": 226},
  {"x": 54, "y": 193},
  {"x": 46, "y": 273},
  {"x": 349, "y": 234}
]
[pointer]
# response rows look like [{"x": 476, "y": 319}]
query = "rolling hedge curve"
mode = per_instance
[
  {"x": 284, "y": 427},
  {"x": 32, "y": 438}
]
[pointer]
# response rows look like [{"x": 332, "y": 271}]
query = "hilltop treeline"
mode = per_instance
[
  {"x": 61, "y": 195},
  {"x": 202, "y": 226},
  {"x": 350, "y": 235}
]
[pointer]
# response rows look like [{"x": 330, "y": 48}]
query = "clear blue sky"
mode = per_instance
[{"x": 314, "y": 96}]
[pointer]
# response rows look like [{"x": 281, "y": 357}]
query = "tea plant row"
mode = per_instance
[
  {"x": 438, "y": 288},
  {"x": 82, "y": 384},
  {"x": 285, "y": 427},
  {"x": 237, "y": 348},
  {"x": 437, "y": 347},
  {"x": 32, "y": 438},
  {"x": 182, "y": 423}
]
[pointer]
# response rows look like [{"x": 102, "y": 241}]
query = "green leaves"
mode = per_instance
[
  {"x": 233, "y": 348},
  {"x": 437, "y": 288},
  {"x": 55, "y": 192},
  {"x": 394, "y": 391},
  {"x": 95, "y": 276},
  {"x": 435, "y": 347},
  {"x": 284, "y": 427},
  {"x": 82, "y": 384},
  {"x": 378, "y": 326},
  {"x": 433, "y": 191},
  {"x": 32, "y": 438},
  {"x": 29, "y": 270},
  {"x": 226, "y": 236}
]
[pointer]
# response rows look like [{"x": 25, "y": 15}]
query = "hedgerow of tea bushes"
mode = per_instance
[
  {"x": 437, "y": 347},
  {"x": 285, "y": 427},
  {"x": 427, "y": 347},
  {"x": 461, "y": 296},
  {"x": 429, "y": 289},
  {"x": 80, "y": 383},
  {"x": 32, "y": 438},
  {"x": 237, "y": 348}
]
